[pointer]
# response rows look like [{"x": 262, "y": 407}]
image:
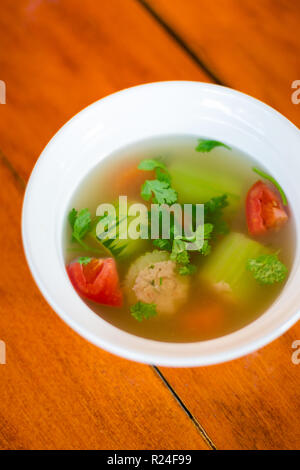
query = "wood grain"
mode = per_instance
[
  {"x": 249, "y": 403},
  {"x": 254, "y": 402},
  {"x": 58, "y": 57},
  {"x": 57, "y": 390},
  {"x": 252, "y": 46}
]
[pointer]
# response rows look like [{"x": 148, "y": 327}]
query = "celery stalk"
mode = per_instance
[{"x": 227, "y": 264}]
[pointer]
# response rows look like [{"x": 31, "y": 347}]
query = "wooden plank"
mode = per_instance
[
  {"x": 58, "y": 57},
  {"x": 252, "y": 46},
  {"x": 57, "y": 390},
  {"x": 53, "y": 66},
  {"x": 253, "y": 402},
  {"x": 249, "y": 403}
]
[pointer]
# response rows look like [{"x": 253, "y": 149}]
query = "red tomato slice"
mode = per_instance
[
  {"x": 264, "y": 209},
  {"x": 98, "y": 281}
]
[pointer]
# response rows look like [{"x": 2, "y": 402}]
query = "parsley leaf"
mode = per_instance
[
  {"x": 273, "y": 180},
  {"x": 206, "y": 145},
  {"x": 267, "y": 269},
  {"x": 141, "y": 311},
  {"x": 163, "y": 194},
  {"x": 84, "y": 260}
]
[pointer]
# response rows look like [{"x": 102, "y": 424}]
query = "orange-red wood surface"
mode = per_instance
[{"x": 58, "y": 391}]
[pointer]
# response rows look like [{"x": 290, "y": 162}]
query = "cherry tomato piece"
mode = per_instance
[
  {"x": 97, "y": 280},
  {"x": 264, "y": 209}
]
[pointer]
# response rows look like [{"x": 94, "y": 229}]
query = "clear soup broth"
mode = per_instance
[{"x": 220, "y": 294}]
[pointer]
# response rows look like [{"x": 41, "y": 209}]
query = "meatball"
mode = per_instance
[{"x": 159, "y": 283}]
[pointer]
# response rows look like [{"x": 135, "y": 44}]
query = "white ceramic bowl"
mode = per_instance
[{"x": 128, "y": 116}]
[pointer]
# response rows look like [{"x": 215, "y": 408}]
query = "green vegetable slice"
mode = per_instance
[{"x": 195, "y": 187}]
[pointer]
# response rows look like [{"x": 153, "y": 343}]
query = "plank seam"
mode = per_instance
[
  {"x": 181, "y": 42},
  {"x": 6, "y": 162},
  {"x": 201, "y": 430}
]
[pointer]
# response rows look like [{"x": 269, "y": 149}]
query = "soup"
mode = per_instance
[{"x": 196, "y": 280}]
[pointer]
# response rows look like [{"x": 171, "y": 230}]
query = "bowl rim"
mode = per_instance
[{"x": 131, "y": 354}]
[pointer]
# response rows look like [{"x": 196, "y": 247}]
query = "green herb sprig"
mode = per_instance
[
  {"x": 160, "y": 188},
  {"x": 206, "y": 145},
  {"x": 142, "y": 311},
  {"x": 267, "y": 269}
]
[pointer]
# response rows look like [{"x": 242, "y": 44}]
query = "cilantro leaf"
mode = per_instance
[
  {"x": 215, "y": 204},
  {"x": 273, "y": 180},
  {"x": 206, "y": 145},
  {"x": 201, "y": 238},
  {"x": 213, "y": 212},
  {"x": 72, "y": 217},
  {"x": 163, "y": 176},
  {"x": 162, "y": 244},
  {"x": 146, "y": 191},
  {"x": 187, "y": 270},
  {"x": 151, "y": 164},
  {"x": 182, "y": 258},
  {"x": 141, "y": 311},
  {"x": 206, "y": 247},
  {"x": 163, "y": 194},
  {"x": 267, "y": 269},
  {"x": 82, "y": 224},
  {"x": 84, "y": 260},
  {"x": 208, "y": 228},
  {"x": 179, "y": 252}
]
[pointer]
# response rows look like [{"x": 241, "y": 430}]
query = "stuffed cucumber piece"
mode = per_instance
[
  {"x": 117, "y": 242},
  {"x": 194, "y": 186},
  {"x": 226, "y": 267},
  {"x": 153, "y": 279}
]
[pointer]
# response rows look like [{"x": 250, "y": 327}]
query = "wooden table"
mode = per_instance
[{"x": 57, "y": 391}]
